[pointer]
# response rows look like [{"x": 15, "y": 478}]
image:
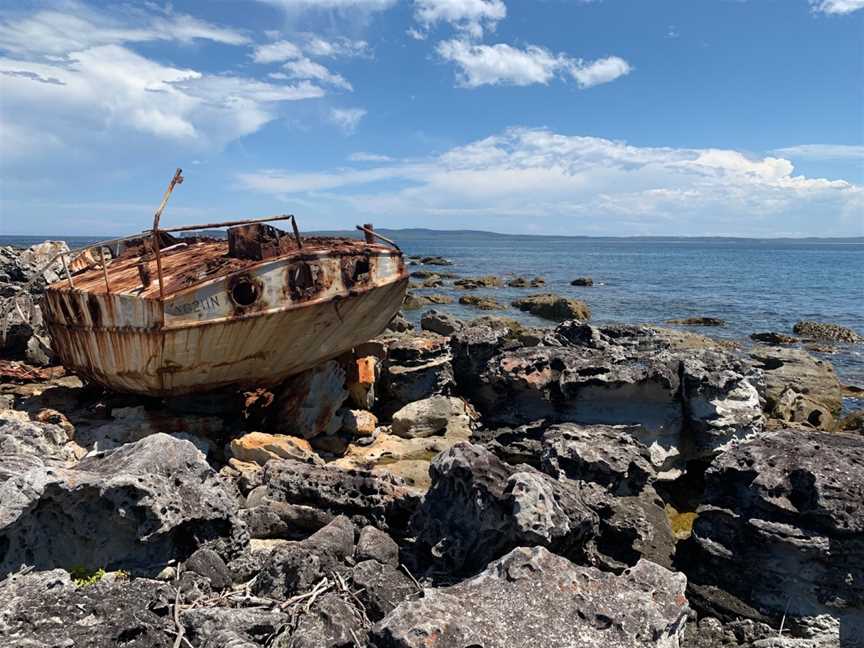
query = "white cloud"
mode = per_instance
[
  {"x": 594, "y": 184},
  {"x": 335, "y": 47},
  {"x": 274, "y": 52},
  {"x": 837, "y": 6},
  {"x": 369, "y": 157},
  {"x": 365, "y": 6},
  {"x": 823, "y": 152},
  {"x": 304, "y": 68},
  {"x": 592, "y": 73},
  {"x": 469, "y": 16},
  {"x": 78, "y": 27},
  {"x": 347, "y": 118},
  {"x": 502, "y": 64}
]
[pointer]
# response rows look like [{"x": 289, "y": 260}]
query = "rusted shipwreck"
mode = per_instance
[{"x": 167, "y": 316}]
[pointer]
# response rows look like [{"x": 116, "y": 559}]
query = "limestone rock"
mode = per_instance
[
  {"x": 131, "y": 508},
  {"x": 306, "y": 404},
  {"x": 531, "y": 597},
  {"x": 554, "y": 307},
  {"x": 781, "y": 531},
  {"x": 26, "y": 444},
  {"x": 773, "y": 339},
  {"x": 259, "y": 447},
  {"x": 801, "y": 372},
  {"x": 400, "y": 324},
  {"x": 382, "y": 587},
  {"x": 440, "y": 323},
  {"x": 433, "y": 415}
]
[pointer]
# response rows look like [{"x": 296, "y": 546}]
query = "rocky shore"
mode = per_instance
[{"x": 465, "y": 483}]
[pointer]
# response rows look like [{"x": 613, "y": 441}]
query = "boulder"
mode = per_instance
[
  {"x": 306, "y": 404},
  {"x": 522, "y": 444},
  {"x": 131, "y": 508},
  {"x": 367, "y": 498},
  {"x": 332, "y": 621},
  {"x": 481, "y": 303},
  {"x": 225, "y": 627},
  {"x": 478, "y": 508},
  {"x": 582, "y": 281},
  {"x": 440, "y": 323},
  {"x": 826, "y": 332},
  {"x": 431, "y": 274},
  {"x": 433, "y": 415},
  {"x": 374, "y": 544},
  {"x": 435, "y": 260},
  {"x": 780, "y": 533},
  {"x": 531, "y": 597},
  {"x": 554, "y": 307},
  {"x": 259, "y": 447},
  {"x": 358, "y": 423},
  {"x": 381, "y": 586},
  {"x": 416, "y": 302}
]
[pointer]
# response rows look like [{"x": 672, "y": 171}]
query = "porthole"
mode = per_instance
[{"x": 245, "y": 293}]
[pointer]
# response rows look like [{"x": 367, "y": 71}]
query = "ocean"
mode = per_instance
[{"x": 753, "y": 284}]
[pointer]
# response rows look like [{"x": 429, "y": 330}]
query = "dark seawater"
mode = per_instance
[{"x": 754, "y": 285}]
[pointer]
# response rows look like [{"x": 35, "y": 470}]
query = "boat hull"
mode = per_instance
[{"x": 254, "y": 327}]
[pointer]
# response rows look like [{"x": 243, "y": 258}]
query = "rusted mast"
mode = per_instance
[{"x": 177, "y": 179}]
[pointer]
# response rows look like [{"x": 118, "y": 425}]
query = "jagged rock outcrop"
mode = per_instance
[
  {"x": 382, "y": 500},
  {"x": 531, "y": 597},
  {"x": 417, "y": 366},
  {"x": 478, "y": 508},
  {"x": 43, "y": 609},
  {"x": 26, "y": 444},
  {"x": 133, "y": 508},
  {"x": 781, "y": 533}
]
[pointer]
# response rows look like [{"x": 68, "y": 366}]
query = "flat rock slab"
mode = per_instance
[{"x": 532, "y": 597}]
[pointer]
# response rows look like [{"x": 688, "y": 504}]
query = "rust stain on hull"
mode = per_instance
[{"x": 223, "y": 320}]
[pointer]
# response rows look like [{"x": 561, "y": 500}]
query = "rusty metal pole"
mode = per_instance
[
  {"x": 296, "y": 233},
  {"x": 66, "y": 268},
  {"x": 177, "y": 179},
  {"x": 367, "y": 231},
  {"x": 104, "y": 269}
]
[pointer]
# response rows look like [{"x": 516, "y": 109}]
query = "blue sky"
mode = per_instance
[{"x": 606, "y": 117}]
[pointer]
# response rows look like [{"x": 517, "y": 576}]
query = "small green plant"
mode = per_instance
[{"x": 83, "y": 577}]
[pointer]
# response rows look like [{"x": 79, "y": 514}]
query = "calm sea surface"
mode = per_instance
[{"x": 754, "y": 285}]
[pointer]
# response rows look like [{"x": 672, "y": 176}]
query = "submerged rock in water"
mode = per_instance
[
  {"x": 826, "y": 332},
  {"x": 773, "y": 339},
  {"x": 698, "y": 321},
  {"x": 781, "y": 532},
  {"x": 473, "y": 283},
  {"x": 582, "y": 281},
  {"x": 482, "y": 303},
  {"x": 524, "y": 282},
  {"x": 531, "y": 597},
  {"x": 554, "y": 307},
  {"x": 132, "y": 508}
]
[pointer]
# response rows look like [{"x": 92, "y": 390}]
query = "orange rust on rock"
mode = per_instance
[{"x": 366, "y": 370}]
